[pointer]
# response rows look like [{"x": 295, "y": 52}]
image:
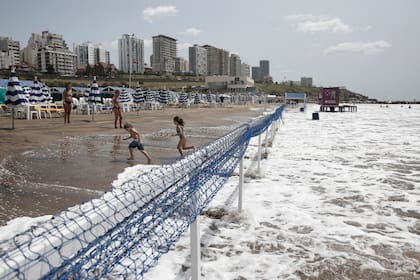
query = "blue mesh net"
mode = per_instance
[{"x": 122, "y": 234}]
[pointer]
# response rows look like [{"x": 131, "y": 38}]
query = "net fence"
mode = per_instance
[{"x": 122, "y": 234}]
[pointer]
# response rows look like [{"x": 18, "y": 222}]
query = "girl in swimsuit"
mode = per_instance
[
  {"x": 67, "y": 102},
  {"x": 182, "y": 144},
  {"x": 117, "y": 108}
]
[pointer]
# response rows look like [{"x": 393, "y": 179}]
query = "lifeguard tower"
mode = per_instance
[
  {"x": 329, "y": 100},
  {"x": 294, "y": 98}
]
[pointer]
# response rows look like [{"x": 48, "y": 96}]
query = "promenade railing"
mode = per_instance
[{"x": 122, "y": 234}]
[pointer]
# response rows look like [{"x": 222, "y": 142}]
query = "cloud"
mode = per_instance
[
  {"x": 157, "y": 12},
  {"x": 368, "y": 48},
  {"x": 313, "y": 23},
  {"x": 190, "y": 31}
]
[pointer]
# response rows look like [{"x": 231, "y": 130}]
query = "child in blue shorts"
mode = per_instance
[{"x": 135, "y": 143}]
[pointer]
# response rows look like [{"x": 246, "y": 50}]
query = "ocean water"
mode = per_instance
[{"x": 338, "y": 198}]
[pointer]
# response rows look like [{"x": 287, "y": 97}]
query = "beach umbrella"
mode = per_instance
[
  {"x": 183, "y": 98},
  {"x": 14, "y": 94},
  {"x": 46, "y": 93},
  {"x": 36, "y": 95},
  {"x": 94, "y": 95},
  {"x": 208, "y": 96},
  {"x": 149, "y": 96},
  {"x": 138, "y": 96},
  {"x": 27, "y": 93},
  {"x": 164, "y": 97},
  {"x": 125, "y": 96},
  {"x": 86, "y": 94},
  {"x": 196, "y": 99}
]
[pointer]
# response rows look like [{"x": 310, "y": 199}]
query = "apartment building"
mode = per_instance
[
  {"x": 164, "y": 54},
  {"x": 10, "y": 51},
  {"x": 90, "y": 54},
  {"x": 198, "y": 60},
  {"x": 217, "y": 61},
  {"x": 54, "y": 55},
  {"x": 130, "y": 54},
  {"x": 235, "y": 65}
]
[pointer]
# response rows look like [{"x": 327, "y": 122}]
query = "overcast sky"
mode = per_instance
[{"x": 369, "y": 46}]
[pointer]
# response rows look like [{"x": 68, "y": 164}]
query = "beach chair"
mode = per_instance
[
  {"x": 45, "y": 111},
  {"x": 34, "y": 112}
]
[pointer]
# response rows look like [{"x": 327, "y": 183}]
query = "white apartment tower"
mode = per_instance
[
  {"x": 198, "y": 60},
  {"x": 131, "y": 54},
  {"x": 235, "y": 65},
  {"x": 245, "y": 70},
  {"x": 90, "y": 54},
  {"x": 217, "y": 61},
  {"x": 164, "y": 54}
]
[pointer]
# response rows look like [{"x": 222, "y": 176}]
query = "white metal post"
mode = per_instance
[
  {"x": 195, "y": 249},
  {"x": 266, "y": 141},
  {"x": 241, "y": 184},
  {"x": 259, "y": 154}
]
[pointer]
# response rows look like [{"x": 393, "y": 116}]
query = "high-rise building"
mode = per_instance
[
  {"x": 11, "y": 49},
  {"x": 164, "y": 54},
  {"x": 90, "y": 54},
  {"x": 235, "y": 65},
  {"x": 245, "y": 70},
  {"x": 30, "y": 52},
  {"x": 85, "y": 54},
  {"x": 198, "y": 60},
  {"x": 306, "y": 81},
  {"x": 264, "y": 69},
  {"x": 217, "y": 61},
  {"x": 131, "y": 54},
  {"x": 256, "y": 74},
  {"x": 54, "y": 55},
  {"x": 181, "y": 65}
]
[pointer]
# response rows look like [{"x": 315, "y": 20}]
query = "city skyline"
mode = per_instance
[{"x": 338, "y": 44}]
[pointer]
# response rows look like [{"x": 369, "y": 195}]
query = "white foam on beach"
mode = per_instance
[{"x": 340, "y": 194}]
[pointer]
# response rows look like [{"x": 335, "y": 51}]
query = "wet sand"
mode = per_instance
[{"x": 47, "y": 166}]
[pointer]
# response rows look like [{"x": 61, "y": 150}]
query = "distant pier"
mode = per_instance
[{"x": 338, "y": 108}]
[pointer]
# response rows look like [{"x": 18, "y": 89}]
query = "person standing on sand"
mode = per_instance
[
  {"x": 182, "y": 144},
  {"x": 67, "y": 102},
  {"x": 117, "y": 108},
  {"x": 135, "y": 143}
]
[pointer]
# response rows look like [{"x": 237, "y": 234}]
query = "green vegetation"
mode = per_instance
[{"x": 312, "y": 93}]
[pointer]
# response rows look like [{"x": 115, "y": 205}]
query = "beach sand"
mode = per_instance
[{"x": 47, "y": 166}]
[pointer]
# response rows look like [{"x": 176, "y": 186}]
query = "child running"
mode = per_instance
[
  {"x": 182, "y": 144},
  {"x": 135, "y": 143}
]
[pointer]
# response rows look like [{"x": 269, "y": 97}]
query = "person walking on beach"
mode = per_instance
[
  {"x": 117, "y": 108},
  {"x": 135, "y": 143},
  {"x": 182, "y": 144},
  {"x": 67, "y": 102}
]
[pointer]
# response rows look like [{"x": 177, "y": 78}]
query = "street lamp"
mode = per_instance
[{"x": 130, "y": 54}]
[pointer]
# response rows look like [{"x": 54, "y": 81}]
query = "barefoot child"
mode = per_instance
[
  {"x": 135, "y": 143},
  {"x": 182, "y": 144}
]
